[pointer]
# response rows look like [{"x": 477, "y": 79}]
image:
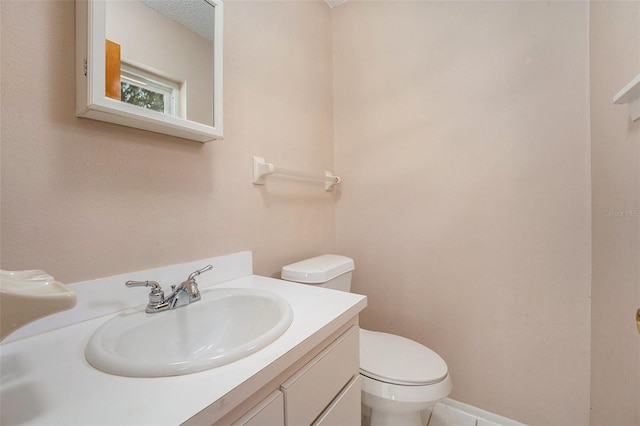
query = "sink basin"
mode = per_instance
[{"x": 226, "y": 325}]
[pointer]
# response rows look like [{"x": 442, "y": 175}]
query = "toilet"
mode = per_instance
[{"x": 401, "y": 379}]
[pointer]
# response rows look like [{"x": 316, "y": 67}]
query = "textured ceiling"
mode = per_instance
[{"x": 197, "y": 15}]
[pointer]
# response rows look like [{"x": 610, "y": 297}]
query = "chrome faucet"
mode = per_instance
[{"x": 181, "y": 295}]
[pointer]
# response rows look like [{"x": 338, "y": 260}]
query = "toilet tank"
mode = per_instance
[{"x": 329, "y": 271}]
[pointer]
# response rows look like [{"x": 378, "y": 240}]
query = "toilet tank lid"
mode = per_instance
[{"x": 318, "y": 269}]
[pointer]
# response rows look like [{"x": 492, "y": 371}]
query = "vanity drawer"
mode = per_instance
[
  {"x": 345, "y": 409},
  {"x": 269, "y": 412},
  {"x": 308, "y": 392}
]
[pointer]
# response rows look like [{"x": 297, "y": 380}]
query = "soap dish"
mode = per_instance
[{"x": 26, "y": 296}]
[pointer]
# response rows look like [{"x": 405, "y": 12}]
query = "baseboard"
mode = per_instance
[{"x": 450, "y": 412}]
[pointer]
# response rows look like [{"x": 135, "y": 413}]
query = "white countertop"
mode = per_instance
[{"x": 45, "y": 379}]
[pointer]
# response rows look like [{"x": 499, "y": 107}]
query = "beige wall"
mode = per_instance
[
  {"x": 84, "y": 199},
  {"x": 615, "y": 169},
  {"x": 461, "y": 131}
]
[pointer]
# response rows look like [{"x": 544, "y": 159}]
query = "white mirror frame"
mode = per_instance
[{"x": 91, "y": 101}]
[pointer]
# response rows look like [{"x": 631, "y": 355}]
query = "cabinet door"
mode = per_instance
[
  {"x": 345, "y": 410},
  {"x": 270, "y": 412},
  {"x": 312, "y": 388}
]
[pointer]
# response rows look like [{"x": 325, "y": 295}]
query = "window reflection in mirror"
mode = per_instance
[
  {"x": 148, "y": 90},
  {"x": 166, "y": 56}
]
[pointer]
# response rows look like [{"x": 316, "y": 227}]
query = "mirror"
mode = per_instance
[{"x": 151, "y": 64}]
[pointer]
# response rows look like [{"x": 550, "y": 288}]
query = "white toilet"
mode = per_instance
[{"x": 401, "y": 379}]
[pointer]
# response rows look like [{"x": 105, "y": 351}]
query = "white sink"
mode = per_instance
[{"x": 226, "y": 325}]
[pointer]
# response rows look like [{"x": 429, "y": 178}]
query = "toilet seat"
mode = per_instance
[
  {"x": 396, "y": 360},
  {"x": 387, "y": 394}
]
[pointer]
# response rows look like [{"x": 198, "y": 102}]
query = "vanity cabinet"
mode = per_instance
[
  {"x": 313, "y": 388},
  {"x": 323, "y": 390},
  {"x": 270, "y": 412},
  {"x": 308, "y": 375},
  {"x": 345, "y": 409}
]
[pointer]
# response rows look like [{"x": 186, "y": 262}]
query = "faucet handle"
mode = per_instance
[
  {"x": 194, "y": 274},
  {"x": 156, "y": 295}
]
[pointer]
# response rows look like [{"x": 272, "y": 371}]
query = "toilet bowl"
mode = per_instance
[{"x": 401, "y": 379}]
